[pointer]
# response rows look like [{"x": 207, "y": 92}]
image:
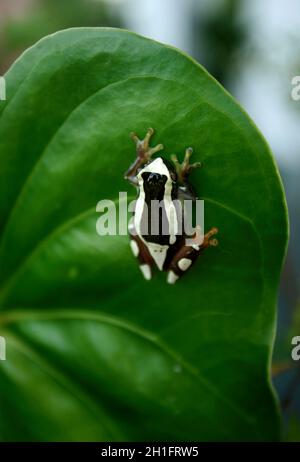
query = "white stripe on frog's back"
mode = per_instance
[
  {"x": 158, "y": 252},
  {"x": 170, "y": 210}
]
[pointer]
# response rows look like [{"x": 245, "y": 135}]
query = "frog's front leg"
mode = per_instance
[
  {"x": 184, "y": 169},
  {"x": 186, "y": 256},
  {"x": 143, "y": 154}
]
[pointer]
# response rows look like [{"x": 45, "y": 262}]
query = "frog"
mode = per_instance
[{"x": 166, "y": 184}]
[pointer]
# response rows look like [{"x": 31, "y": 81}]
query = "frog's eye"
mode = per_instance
[{"x": 153, "y": 179}]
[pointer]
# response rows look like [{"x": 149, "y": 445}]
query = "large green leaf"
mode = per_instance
[{"x": 94, "y": 352}]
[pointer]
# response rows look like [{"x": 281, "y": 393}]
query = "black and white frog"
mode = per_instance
[{"x": 157, "y": 234}]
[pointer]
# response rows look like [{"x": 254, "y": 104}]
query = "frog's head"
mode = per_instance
[{"x": 157, "y": 179}]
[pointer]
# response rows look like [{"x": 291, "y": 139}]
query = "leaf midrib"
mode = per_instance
[{"x": 10, "y": 317}]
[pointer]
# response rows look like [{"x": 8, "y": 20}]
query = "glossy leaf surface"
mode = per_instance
[{"x": 94, "y": 352}]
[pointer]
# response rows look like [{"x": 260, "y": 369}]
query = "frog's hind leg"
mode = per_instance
[
  {"x": 140, "y": 251},
  {"x": 188, "y": 254}
]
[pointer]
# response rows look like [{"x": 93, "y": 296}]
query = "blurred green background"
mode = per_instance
[{"x": 252, "y": 48}]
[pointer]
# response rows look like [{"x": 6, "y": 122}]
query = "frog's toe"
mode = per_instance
[{"x": 172, "y": 277}]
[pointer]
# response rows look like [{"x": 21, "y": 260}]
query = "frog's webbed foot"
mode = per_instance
[
  {"x": 184, "y": 169},
  {"x": 207, "y": 241},
  {"x": 198, "y": 241},
  {"x": 143, "y": 154},
  {"x": 143, "y": 150}
]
